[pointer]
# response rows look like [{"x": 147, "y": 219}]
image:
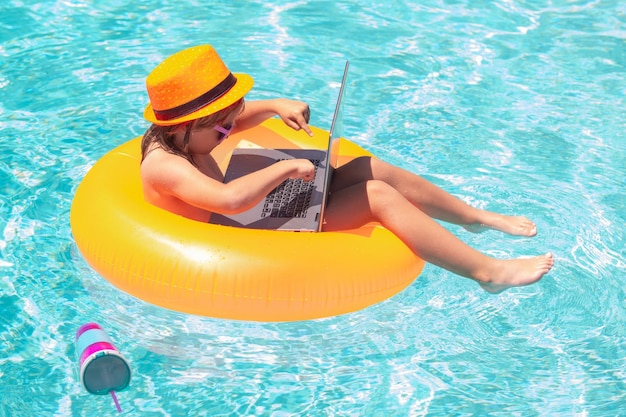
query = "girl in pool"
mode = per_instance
[{"x": 196, "y": 102}]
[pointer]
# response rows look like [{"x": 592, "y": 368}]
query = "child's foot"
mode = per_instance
[
  {"x": 516, "y": 272},
  {"x": 513, "y": 225}
]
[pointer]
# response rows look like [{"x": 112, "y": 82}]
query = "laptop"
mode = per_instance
[{"x": 295, "y": 205}]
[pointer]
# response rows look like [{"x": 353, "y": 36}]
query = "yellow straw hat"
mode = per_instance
[{"x": 191, "y": 84}]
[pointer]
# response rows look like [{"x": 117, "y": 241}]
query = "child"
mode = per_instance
[{"x": 196, "y": 102}]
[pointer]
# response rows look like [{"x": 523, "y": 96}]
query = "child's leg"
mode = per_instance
[
  {"x": 378, "y": 201},
  {"x": 429, "y": 198}
]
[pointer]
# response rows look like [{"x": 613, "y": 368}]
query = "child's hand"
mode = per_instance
[
  {"x": 301, "y": 168},
  {"x": 295, "y": 114}
]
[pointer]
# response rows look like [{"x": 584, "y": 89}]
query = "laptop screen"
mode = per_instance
[{"x": 336, "y": 128}]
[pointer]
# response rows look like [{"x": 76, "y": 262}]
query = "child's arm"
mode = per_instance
[
  {"x": 294, "y": 113},
  {"x": 170, "y": 175}
]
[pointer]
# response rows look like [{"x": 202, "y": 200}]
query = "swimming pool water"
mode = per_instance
[{"x": 513, "y": 106}]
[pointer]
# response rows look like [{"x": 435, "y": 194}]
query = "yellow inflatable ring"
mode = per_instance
[{"x": 227, "y": 272}]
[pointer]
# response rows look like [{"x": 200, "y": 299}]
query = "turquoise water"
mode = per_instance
[{"x": 513, "y": 106}]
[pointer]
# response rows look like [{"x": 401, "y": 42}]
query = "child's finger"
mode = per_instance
[
  {"x": 307, "y": 129},
  {"x": 299, "y": 123}
]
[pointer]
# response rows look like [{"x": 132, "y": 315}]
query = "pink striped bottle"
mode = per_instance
[{"x": 103, "y": 369}]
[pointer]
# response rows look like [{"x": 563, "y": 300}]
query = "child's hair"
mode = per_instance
[{"x": 164, "y": 136}]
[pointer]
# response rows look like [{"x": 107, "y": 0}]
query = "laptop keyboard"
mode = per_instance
[{"x": 291, "y": 198}]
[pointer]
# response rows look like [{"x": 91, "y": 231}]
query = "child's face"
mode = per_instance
[{"x": 205, "y": 138}]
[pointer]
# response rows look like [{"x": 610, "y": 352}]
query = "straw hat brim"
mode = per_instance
[{"x": 239, "y": 90}]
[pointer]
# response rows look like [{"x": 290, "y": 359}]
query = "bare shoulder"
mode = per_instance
[{"x": 160, "y": 167}]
